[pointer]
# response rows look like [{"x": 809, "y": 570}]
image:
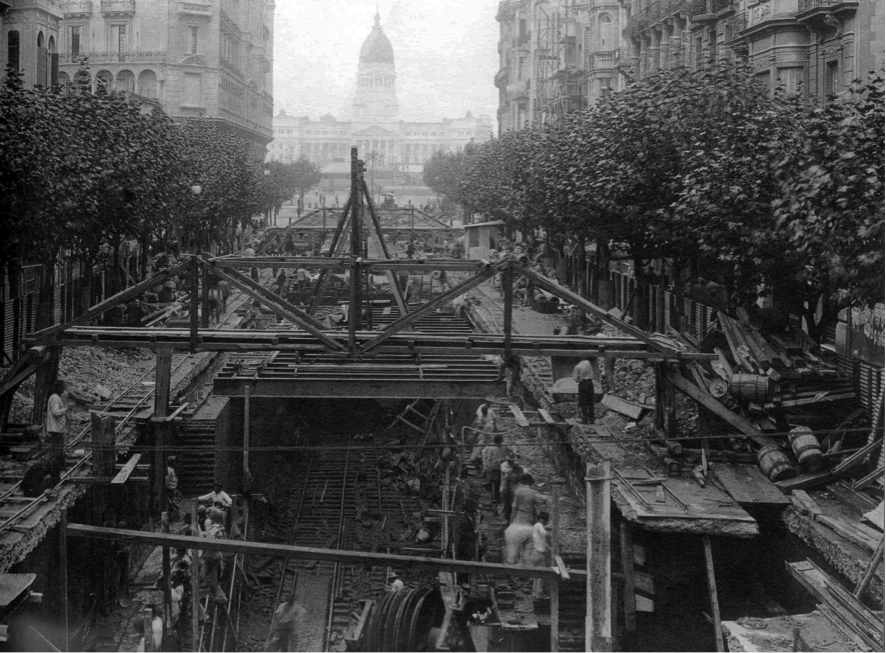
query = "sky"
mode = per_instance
[{"x": 445, "y": 51}]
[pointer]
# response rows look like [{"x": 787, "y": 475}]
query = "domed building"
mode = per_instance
[{"x": 389, "y": 145}]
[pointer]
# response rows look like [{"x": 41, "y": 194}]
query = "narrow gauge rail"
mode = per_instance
[
  {"x": 339, "y": 489},
  {"x": 131, "y": 400}
]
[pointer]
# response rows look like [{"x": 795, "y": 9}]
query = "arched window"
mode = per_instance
[
  {"x": 52, "y": 59},
  {"x": 104, "y": 82},
  {"x": 42, "y": 67},
  {"x": 125, "y": 81},
  {"x": 64, "y": 81},
  {"x": 13, "y": 49},
  {"x": 607, "y": 33}
]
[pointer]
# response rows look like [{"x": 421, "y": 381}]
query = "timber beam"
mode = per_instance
[
  {"x": 349, "y": 387},
  {"x": 346, "y": 263},
  {"x": 315, "y": 553},
  {"x": 412, "y": 342}
]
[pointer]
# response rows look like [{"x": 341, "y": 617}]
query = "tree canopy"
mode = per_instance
[{"x": 706, "y": 168}]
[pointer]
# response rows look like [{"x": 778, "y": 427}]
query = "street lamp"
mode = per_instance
[{"x": 267, "y": 173}]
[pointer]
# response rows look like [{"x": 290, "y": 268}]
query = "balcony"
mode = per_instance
[
  {"x": 602, "y": 60},
  {"x": 760, "y": 13},
  {"x": 77, "y": 9},
  {"x": 117, "y": 8},
  {"x": 133, "y": 56},
  {"x": 501, "y": 77},
  {"x": 198, "y": 9},
  {"x": 815, "y": 9},
  {"x": 655, "y": 12},
  {"x": 734, "y": 26},
  {"x": 701, "y": 11}
]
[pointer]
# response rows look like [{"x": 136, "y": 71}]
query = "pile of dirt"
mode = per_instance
[{"x": 92, "y": 371}]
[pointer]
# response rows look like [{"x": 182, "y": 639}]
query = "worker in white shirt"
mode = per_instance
[
  {"x": 397, "y": 583},
  {"x": 539, "y": 555},
  {"x": 583, "y": 375},
  {"x": 57, "y": 422},
  {"x": 218, "y": 497}
]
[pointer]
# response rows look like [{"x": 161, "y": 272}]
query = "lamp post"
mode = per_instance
[
  {"x": 196, "y": 189},
  {"x": 267, "y": 173}
]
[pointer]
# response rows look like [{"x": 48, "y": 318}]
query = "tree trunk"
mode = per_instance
[{"x": 606, "y": 291}]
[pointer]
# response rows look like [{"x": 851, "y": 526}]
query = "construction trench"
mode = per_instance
[{"x": 343, "y": 448}]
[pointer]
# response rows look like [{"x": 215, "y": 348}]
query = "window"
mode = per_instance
[
  {"x": 831, "y": 78},
  {"x": 607, "y": 32},
  {"x": 74, "y": 42},
  {"x": 119, "y": 42},
  {"x": 13, "y": 49},
  {"x": 191, "y": 89},
  {"x": 605, "y": 87},
  {"x": 192, "y": 40}
]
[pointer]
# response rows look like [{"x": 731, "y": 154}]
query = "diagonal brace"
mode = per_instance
[
  {"x": 561, "y": 292},
  {"x": 277, "y": 304},
  {"x": 405, "y": 320},
  {"x": 113, "y": 301}
]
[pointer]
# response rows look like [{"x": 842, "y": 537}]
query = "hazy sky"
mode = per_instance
[{"x": 445, "y": 53}]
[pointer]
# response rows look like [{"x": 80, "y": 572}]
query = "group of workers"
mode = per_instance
[{"x": 511, "y": 486}]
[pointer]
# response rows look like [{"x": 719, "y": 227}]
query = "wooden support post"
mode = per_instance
[
  {"x": 162, "y": 382},
  {"x": 555, "y": 551},
  {"x": 626, "y": 547},
  {"x": 507, "y": 291},
  {"x": 598, "y": 622},
  {"x": 167, "y": 585},
  {"x": 712, "y": 592},
  {"x": 392, "y": 276},
  {"x": 204, "y": 298},
  {"x": 63, "y": 570},
  {"x": 246, "y": 427},
  {"x": 148, "y": 622},
  {"x": 445, "y": 502},
  {"x": 195, "y": 584},
  {"x": 195, "y": 299},
  {"x": 876, "y": 559}
]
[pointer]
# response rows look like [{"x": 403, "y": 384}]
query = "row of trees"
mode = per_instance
[
  {"x": 82, "y": 171},
  {"x": 706, "y": 169}
]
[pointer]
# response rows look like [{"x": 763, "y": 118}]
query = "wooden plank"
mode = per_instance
[
  {"x": 518, "y": 415},
  {"x": 14, "y": 585},
  {"x": 875, "y": 561},
  {"x": 627, "y": 408},
  {"x": 644, "y": 582},
  {"x": 718, "y": 409},
  {"x": 712, "y": 592},
  {"x": 629, "y": 600},
  {"x": 804, "y": 504},
  {"x": 355, "y": 633},
  {"x": 127, "y": 470},
  {"x": 849, "y": 532},
  {"x": 546, "y": 416},
  {"x": 747, "y": 484}
]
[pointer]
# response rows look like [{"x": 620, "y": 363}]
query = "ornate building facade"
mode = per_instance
[
  {"x": 375, "y": 126},
  {"x": 557, "y": 56},
  {"x": 206, "y": 58},
  {"x": 814, "y": 47}
]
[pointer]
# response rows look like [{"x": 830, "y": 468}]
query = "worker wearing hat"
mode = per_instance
[{"x": 397, "y": 583}]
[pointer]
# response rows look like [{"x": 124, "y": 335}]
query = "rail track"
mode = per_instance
[
  {"x": 126, "y": 405},
  {"x": 340, "y": 502}
]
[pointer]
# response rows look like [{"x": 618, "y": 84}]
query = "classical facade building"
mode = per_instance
[
  {"x": 205, "y": 58},
  {"x": 557, "y": 56},
  {"x": 384, "y": 140},
  {"x": 814, "y": 47}
]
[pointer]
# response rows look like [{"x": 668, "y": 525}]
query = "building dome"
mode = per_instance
[{"x": 377, "y": 48}]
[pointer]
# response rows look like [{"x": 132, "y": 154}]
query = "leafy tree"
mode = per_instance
[
  {"x": 307, "y": 176},
  {"x": 830, "y": 204}
]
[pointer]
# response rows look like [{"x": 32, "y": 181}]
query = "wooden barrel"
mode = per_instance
[
  {"x": 806, "y": 448},
  {"x": 769, "y": 319},
  {"x": 753, "y": 387},
  {"x": 775, "y": 463}
]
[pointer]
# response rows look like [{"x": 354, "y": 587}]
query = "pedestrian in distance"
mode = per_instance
[{"x": 224, "y": 289}]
